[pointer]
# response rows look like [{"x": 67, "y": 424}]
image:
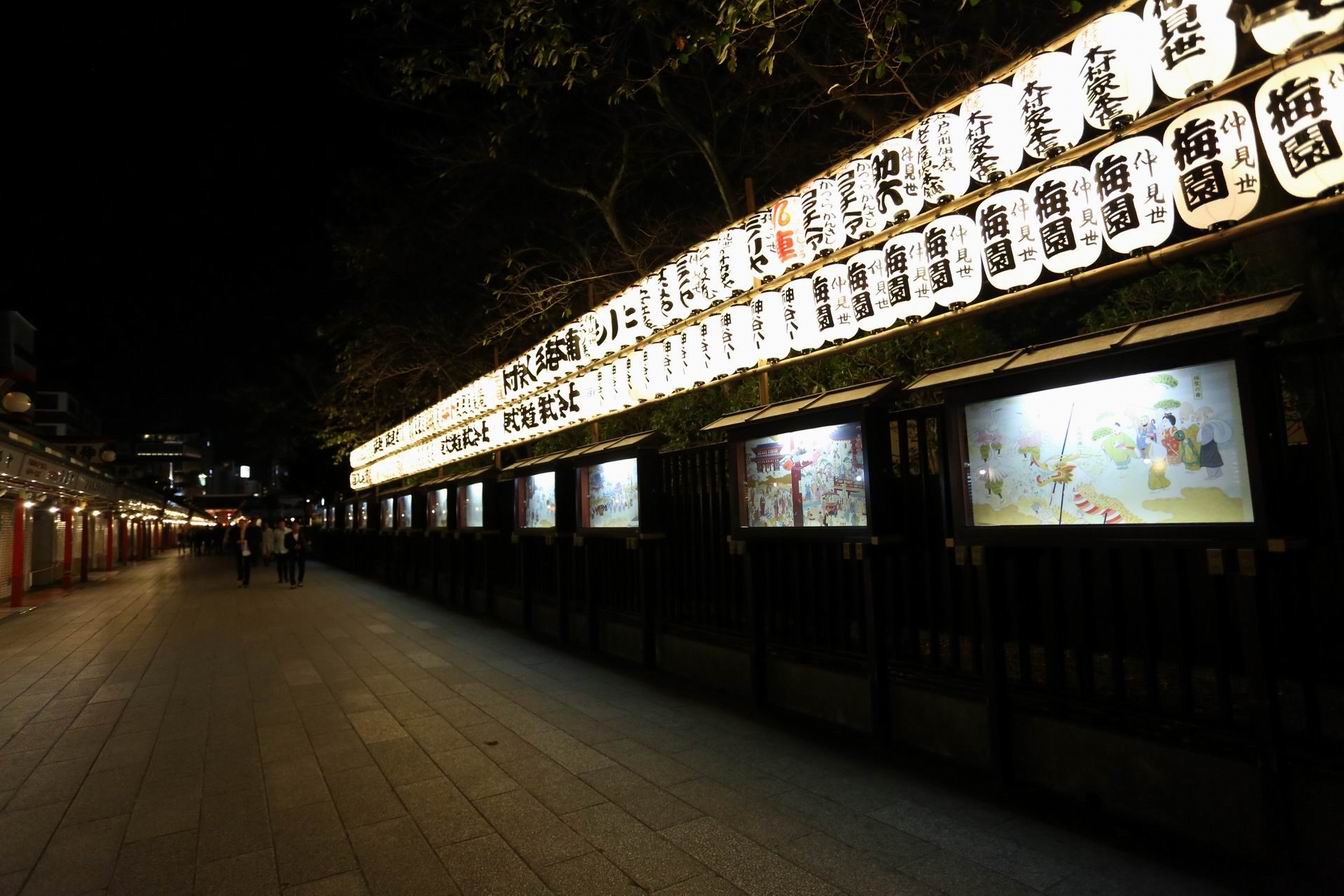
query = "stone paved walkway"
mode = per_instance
[{"x": 164, "y": 732}]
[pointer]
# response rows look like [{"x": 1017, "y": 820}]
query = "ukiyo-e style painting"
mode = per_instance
[
  {"x": 536, "y": 501},
  {"x": 613, "y": 494},
  {"x": 1161, "y": 447},
  {"x": 814, "y": 477},
  {"x": 471, "y": 505}
]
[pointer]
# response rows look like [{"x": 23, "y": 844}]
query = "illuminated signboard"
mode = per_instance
[
  {"x": 471, "y": 505},
  {"x": 804, "y": 479},
  {"x": 535, "y": 500},
  {"x": 609, "y": 495}
]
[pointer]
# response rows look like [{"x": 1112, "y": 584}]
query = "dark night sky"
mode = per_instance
[{"x": 171, "y": 174}]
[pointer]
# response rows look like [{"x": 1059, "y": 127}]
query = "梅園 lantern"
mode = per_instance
[
  {"x": 1134, "y": 180},
  {"x": 899, "y": 189},
  {"x": 1193, "y": 44},
  {"x": 868, "y": 290},
  {"x": 1217, "y": 166},
  {"x": 952, "y": 250},
  {"x": 944, "y": 163},
  {"x": 908, "y": 277},
  {"x": 1051, "y": 104},
  {"x": 1300, "y": 114},
  {"x": 1294, "y": 25},
  {"x": 1068, "y": 219},
  {"x": 769, "y": 328},
  {"x": 1012, "y": 251},
  {"x": 830, "y": 293},
  {"x": 822, "y": 226},
  {"x": 1114, "y": 60},
  {"x": 858, "y": 199},
  {"x": 993, "y": 121}
]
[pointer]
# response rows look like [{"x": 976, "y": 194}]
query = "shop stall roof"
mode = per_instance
[
  {"x": 849, "y": 396},
  {"x": 647, "y": 439},
  {"x": 467, "y": 476},
  {"x": 540, "y": 460},
  {"x": 1240, "y": 314}
]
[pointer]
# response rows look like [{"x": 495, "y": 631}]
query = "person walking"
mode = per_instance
[
  {"x": 267, "y": 542},
  {"x": 243, "y": 547},
  {"x": 253, "y": 536},
  {"x": 280, "y": 550},
  {"x": 296, "y": 547},
  {"x": 233, "y": 541}
]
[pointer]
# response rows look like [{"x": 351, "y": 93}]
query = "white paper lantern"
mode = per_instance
[
  {"x": 710, "y": 336},
  {"x": 628, "y": 318},
  {"x": 1012, "y": 251},
  {"x": 791, "y": 247},
  {"x": 944, "y": 161},
  {"x": 830, "y": 294},
  {"x": 1134, "y": 179},
  {"x": 691, "y": 356},
  {"x": 669, "y": 299},
  {"x": 739, "y": 343},
  {"x": 908, "y": 277},
  {"x": 1217, "y": 166},
  {"x": 897, "y": 183},
  {"x": 650, "y": 295},
  {"x": 1068, "y": 218},
  {"x": 868, "y": 290},
  {"x": 687, "y": 286},
  {"x": 822, "y": 225},
  {"x": 800, "y": 313},
  {"x": 858, "y": 199},
  {"x": 655, "y": 382},
  {"x": 761, "y": 251},
  {"x": 1114, "y": 59},
  {"x": 708, "y": 262},
  {"x": 1052, "y": 104},
  {"x": 1294, "y": 26},
  {"x": 1193, "y": 44},
  {"x": 769, "y": 328},
  {"x": 952, "y": 246},
  {"x": 735, "y": 272},
  {"x": 993, "y": 121},
  {"x": 1300, "y": 114},
  {"x": 670, "y": 376}
]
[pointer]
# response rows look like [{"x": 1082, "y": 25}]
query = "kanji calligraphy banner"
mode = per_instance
[{"x": 845, "y": 254}]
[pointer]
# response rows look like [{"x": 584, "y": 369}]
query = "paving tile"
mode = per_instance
[
  {"x": 572, "y": 754},
  {"x": 161, "y": 866},
  {"x": 376, "y": 725},
  {"x": 80, "y": 743},
  {"x": 588, "y": 875},
  {"x": 105, "y": 713},
  {"x": 649, "y": 803},
  {"x": 233, "y": 770},
  {"x": 648, "y": 764},
  {"x": 442, "y": 813},
  {"x": 80, "y": 858},
  {"x": 535, "y": 832},
  {"x": 708, "y": 885},
  {"x": 457, "y": 711},
  {"x": 363, "y": 796},
  {"x": 742, "y": 862},
  {"x": 487, "y": 866},
  {"x": 232, "y": 823},
  {"x": 405, "y": 706},
  {"x": 321, "y": 718},
  {"x": 435, "y": 734},
  {"x": 557, "y": 789},
  {"x": 350, "y": 883},
  {"x": 35, "y": 736},
  {"x": 851, "y": 870},
  {"x": 648, "y": 858},
  {"x": 127, "y": 750},
  {"x": 950, "y": 873},
  {"x": 310, "y": 844},
  {"x": 889, "y": 846},
  {"x": 339, "y": 751},
  {"x": 403, "y": 762},
  {"x": 295, "y": 782},
  {"x": 252, "y": 874},
  {"x": 57, "y": 782},
  {"x": 395, "y": 858},
  {"x": 165, "y": 807},
  {"x": 16, "y": 767},
  {"x": 281, "y": 742},
  {"x": 499, "y": 743},
  {"x": 758, "y": 819},
  {"x": 64, "y": 707},
  {"x": 104, "y": 795},
  {"x": 473, "y": 772}
]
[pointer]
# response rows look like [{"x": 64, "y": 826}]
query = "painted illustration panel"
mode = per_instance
[
  {"x": 536, "y": 501},
  {"x": 613, "y": 495},
  {"x": 471, "y": 505},
  {"x": 1163, "y": 447},
  {"x": 813, "y": 477}
]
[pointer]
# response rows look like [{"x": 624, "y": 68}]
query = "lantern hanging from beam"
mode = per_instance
[
  {"x": 739, "y": 343},
  {"x": 790, "y": 246},
  {"x": 1300, "y": 114},
  {"x": 735, "y": 272},
  {"x": 708, "y": 285},
  {"x": 761, "y": 251},
  {"x": 1193, "y": 44},
  {"x": 952, "y": 246},
  {"x": 1134, "y": 180},
  {"x": 1113, "y": 57},
  {"x": 1051, "y": 105},
  {"x": 769, "y": 328},
  {"x": 709, "y": 336},
  {"x": 900, "y": 191},
  {"x": 687, "y": 286},
  {"x": 822, "y": 225},
  {"x": 944, "y": 161},
  {"x": 665, "y": 282},
  {"x": 650, "y": 296},
  {"x": 858, "y": 199},
  {"x": 993, "y": 131},
  {"x": 1012, "y": 252},
  {"x": 1068, "y": 219},
  {"x": 908, "y": 276},
  {"x": 1217, "y": 166},
  {"x": 868, "y": 291},
  {"x": 835, "y": 313},
  {"x": 1294, "y": 25},
  {"x": 800, "y": 312}
]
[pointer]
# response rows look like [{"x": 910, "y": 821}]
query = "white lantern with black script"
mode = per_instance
[
  {"x": 1011, "y": 245},
  {"x": 1217, "y": 166},
  {"x": 952, "y": 246},
  {"x": 944, "y": 162},
  {"x": 739, "y": 344},
  {"x": 868, "y": 290},
  {"x": 1114, "y": 60},
  {"x": 800, "y": 312},
  {"x": 735, "y": 272},
  {"x": 908, "y": 283},
  {"x": 769, "y": 328},
  {"x": 1052, "y": 104},
  {"x": 994, "y": 137},
  {"x": 687, "y": 286},
  {"x": 835, "y": 314},
  {"x": 791, "y": 247},
  {"x": 822, "y": 225},
  {"x": 761, "y": 252},
  {"x": 708, "y": 261},
  {"x": 1068, "y": 218},
  {"x": 1300, "y": 114},
  {"x": 1293, "y": 26},
  {"x": 1134, "y": 180},
  {"x": 858, "y": 199},
  {"x": 900, "y": 190},
  {"x": 1194, "y": 44}
]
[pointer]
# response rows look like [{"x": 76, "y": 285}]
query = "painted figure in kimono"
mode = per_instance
[
  {"x": 1211, "y": 433},
  {"x": 1119, "y": 447},
  {"x": 1158, "y": 452},
  {"x": 1147, "y": 433},
  {"x": 1190, "y": 439},
  {"x": 1171, "y": 436}
]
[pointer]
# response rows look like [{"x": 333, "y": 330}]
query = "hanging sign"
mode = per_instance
[
  {"x": 1051, "y": 105},
  {"x": 1300, "y": 113},
  {"x": 800, "y": 312},
  {"x": 908, "y": 277},
  {"x": 735, "y": 272},
  {"x": 791, "y": 248},
  {"x": 1114, "y": 60},
  {"x": 1217, "y": 167},
  {"x": 761, "y": 251},
  {"x": 1068, "y": 218},
  {"x": 944, "y": 161},
  {"x": 858, "y": 199},
  {"x": 1012, "y": 247},
  {"x": 769, "y": 329},
  {"x": 899, "y": 188},
  {"x": 1134, "y": 180},
  {"x": 1193, "y": 44},
  {"x": 822, "y": 226},
  {"x": 994, "y": 137},
  {"x": 868, "y": 290},
  {"x": 739, "y": 344},
  {"x": 705, "y": 271},
  {"x": 835, "y": 314},
  {"x": 952, "y": 244}
]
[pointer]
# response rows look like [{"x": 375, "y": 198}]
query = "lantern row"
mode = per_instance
[{"x": 1104, "y": 81}]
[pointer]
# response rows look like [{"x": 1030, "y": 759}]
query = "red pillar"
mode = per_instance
[
  {"x": 84, "y": 542},
  {"x": 16, "y": 561},
  {"x": 122, "y": 531},
  {"x": 107, "y": 557},
  {"x": 69, "y": 559}
]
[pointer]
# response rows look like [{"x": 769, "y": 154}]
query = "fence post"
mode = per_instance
[
  {"x": 648, "y": 600},
  {"x": 756, "y": 623},
  {"x": 879, "y": 673},
  {"x": 997, "y": 711},
  {"x": 594, "y": 609}
]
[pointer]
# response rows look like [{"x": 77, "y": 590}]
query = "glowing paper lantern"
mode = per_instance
[
  {"x": 665, "y": 281},
  {"x": 1193, "y": 44},
  {"x": 944, "y": 160},
  {"x": 735, "y": 272},
  {"x": 708, "y": 284},
  {"x": 739, "y": 343},
  {"x": 1300, "y": 115},
  {"x": 1068, "y": 218},
  {"x": 952, "y": 245},
  {"x": 687, "y": 286},
  {"x": 897, "y": 182},
  {"x": 761, "y": 251},
  {"x": 1052, "y": 104},
  {"x": 770, "y": 330},
  {"x": 1012, "y": 250},
  {"x": 710, "y": 331},
  {"x": 1134, "y": 180},
  {"x": 994, "y": 135},
  {"x": 822, "y": 226},
  {"x": 858, "y": 200},
  {"x": 1217, "y": 167},
  {"x": 692, "y": 356},
  {"x": 800, "y": 312},
  {"x": 908, "y": 277},
  {"x": 650, "y": 294},
  {"x": 791, "y": 248},
  {"x": 1114, "y": 57},
  {"x": 868, "y": 290},
  {"x": 1293, "y": 26}
]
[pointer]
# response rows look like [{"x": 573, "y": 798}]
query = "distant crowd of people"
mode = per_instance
[{"x": 257, "y": 542}]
